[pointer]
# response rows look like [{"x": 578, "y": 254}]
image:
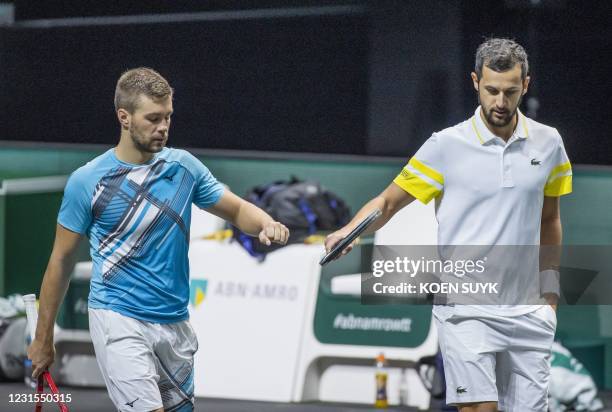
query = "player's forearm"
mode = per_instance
[
  {"x": 378, "y": 202},
  {"x": 551, "y": 234},
  {"x": 52, "y": 292},
  {"x": 550, "y": 258},
  {"x": 251, "y": 219}
]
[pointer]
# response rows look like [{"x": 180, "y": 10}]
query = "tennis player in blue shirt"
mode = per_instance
[{"x": 133, "y": 202}]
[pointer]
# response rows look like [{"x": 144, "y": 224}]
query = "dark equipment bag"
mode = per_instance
[{"x": 305, "y": 207}]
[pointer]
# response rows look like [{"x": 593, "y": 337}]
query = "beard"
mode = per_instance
[
  {"x": 505, "y": 118},
  {"x": 144, "y": 145}
]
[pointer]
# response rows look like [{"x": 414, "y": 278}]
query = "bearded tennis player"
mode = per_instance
[{"x": 496, "y": 179}]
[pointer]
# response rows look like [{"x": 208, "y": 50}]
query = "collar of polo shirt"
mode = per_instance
[{"x": 485, "y": 136}]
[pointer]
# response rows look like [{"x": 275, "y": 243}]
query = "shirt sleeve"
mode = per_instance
[
  {"x": 559, "y": 181},
  {"x": 207, "y": 190},
  {"x": 75, "y": 212},
  {"x": 422, "y": 177}
]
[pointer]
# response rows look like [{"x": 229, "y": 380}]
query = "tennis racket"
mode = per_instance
[
  {"x": 342, "y": 244},
  {"x": 32, "y": 316}
]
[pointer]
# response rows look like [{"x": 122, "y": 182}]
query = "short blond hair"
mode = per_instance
[{"x": 139, "y": 81}]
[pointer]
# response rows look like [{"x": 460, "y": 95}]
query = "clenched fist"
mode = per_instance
[{"x": 274, "y": 232}]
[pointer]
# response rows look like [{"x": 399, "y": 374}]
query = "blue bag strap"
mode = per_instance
[
  {"x": 247, "y": 243},
  {"x": 311, "y": 217}
]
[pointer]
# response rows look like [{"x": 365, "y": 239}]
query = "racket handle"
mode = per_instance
[
  {"x": 31, "y": 313},
  {"x": 49, "y": 379},
  {"x": 40, "y": 388}
]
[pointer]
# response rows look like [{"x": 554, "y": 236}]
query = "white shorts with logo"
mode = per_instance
[
  {"x": 145, "y": 365},
  {"x": 497, "y": 358}
]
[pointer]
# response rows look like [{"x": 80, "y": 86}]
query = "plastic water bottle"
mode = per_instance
[
  {"x": 29, "y": 302},
  {"x": 27, "y": 367},
  {"x": 381, "y": 383},
  {"x": 403, "y": 388}
]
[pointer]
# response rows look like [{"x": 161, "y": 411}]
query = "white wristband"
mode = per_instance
[{"x": 549, "y": 282}]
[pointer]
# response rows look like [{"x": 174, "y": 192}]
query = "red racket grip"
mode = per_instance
[
  {"x": 39, "y": 390},
  {"x": 46, "y": 377}
]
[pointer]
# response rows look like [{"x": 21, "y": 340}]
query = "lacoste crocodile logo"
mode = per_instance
[
  {"x": 461, "y": 389},
  {"x": 535, "y": 162}
]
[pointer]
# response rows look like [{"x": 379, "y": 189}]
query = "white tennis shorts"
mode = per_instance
[
  {"x": 145, "y": 365},
  {"x": 494, "y": 358}
]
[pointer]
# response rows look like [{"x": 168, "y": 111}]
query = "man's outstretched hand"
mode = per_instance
[{"x": 274, "y": 232}]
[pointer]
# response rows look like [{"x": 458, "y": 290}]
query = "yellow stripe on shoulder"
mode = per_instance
[
  {"x": 562, "y": 168},
  {"x": 558, "y": 187},
  {"x": 430, "y": 172},
  {"x": 417, "y": 187}
]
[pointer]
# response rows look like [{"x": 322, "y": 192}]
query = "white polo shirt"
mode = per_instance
[{"x": 488, "y": 191}]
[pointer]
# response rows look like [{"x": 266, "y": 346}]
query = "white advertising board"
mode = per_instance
[{"x": 249, "y": 318}]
